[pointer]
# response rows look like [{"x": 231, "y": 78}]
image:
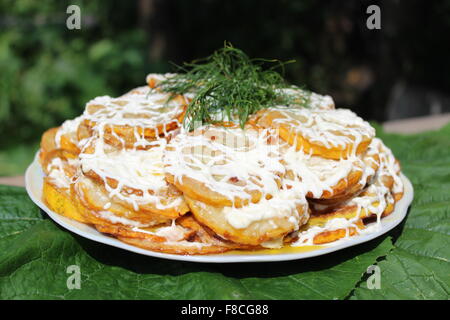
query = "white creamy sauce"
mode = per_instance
[
  {"x": 283, "y": 204},
  {"x": 172, "y": 233},
  {"x": 273, "y": 244},
  {"x": 389, "y": 165},
  {"x": 138, "y": 169},
  {"x": 230, "y": 161},
  {"x": 222, "y": 155},
  {"x": 159, "y": 77},
  {"x": 57, "y": 174},
  {"x": 68, "y": 127},
  {"x": 134, "y": 110},
  {"x": 318, "y": 174},
  {"x": 135, "y": 168},
  {"x": 375, "y": 199},
  {"x": 114, "y": 219},
  {"x": 311, "y": 99},
  {"x": 330, "y": 128}
]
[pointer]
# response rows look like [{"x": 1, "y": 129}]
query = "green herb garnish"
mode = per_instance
[{"x": 228, "y": 86}]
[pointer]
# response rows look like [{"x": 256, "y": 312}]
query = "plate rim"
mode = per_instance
[{"x": 34, "y": 169}]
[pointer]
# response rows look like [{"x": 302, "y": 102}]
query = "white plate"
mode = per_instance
[{"x": 34, "y": 179}]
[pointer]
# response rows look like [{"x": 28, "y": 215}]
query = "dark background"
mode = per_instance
[{"x": 48, "y": 73}]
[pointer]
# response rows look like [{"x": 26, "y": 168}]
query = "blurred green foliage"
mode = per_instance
[
  {"x": 15, "y": 158},
  {"x": 49, "y": 72}
]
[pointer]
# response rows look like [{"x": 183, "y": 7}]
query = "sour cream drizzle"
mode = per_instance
[
  {"x": 313, "y": 100},
  {"x": 133, "y": 168},
  {"x": 232, "y": 155},
  {"x": 138, "y": 108},
  {"x": 217, "y": 156},
  {"x": 375, "y": 199},
  {"x": 337, "y": 128}
]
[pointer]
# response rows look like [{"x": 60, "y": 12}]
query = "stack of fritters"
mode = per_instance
[
  {"x": 292, "y": 176},
  {"x": 234, "y": 182},
  {"x": 349, "y": 176}
]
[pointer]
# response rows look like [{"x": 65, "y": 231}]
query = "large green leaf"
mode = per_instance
[
  {"x": 413, "y": 258},
  {"x": 35, "y": 254},
  {"x": 419, "y": 265}
]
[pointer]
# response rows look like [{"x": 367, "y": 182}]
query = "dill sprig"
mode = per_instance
[{"x": 228, "y": 86}]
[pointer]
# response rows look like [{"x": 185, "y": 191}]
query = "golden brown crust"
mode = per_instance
[
  {"x": 169, "y": 196},
  {"x": 48, "y": 141},
  {"x": 200, "y": 223},
  {"x": 117, "y": 135},
  {"x": 204, "y": 234},
  {"x": 334, "y": 235},
  {"x": 174, "y": 247},
  {"x": 60, "y": 201},
  {"x": 287, "y": 130},
  {"x": 95, "y": 198},
  {"x": 255, "y": 234},
  {"x": 199, "y": 191},
  {"x": 251, "y": 187}
]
